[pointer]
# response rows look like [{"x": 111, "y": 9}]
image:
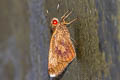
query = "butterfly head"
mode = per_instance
[{"x": 54, "y": 22}]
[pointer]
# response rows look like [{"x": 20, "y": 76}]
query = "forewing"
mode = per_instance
[{"x": 61, "y": 52}]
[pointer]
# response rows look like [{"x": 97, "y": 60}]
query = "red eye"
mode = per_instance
[{"x": 55, "y": 22}]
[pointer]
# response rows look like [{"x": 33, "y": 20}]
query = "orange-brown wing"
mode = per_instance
[{"x": 61, "y": 52}]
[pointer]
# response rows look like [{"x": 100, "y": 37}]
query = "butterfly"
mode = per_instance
[{"x": 61, "y": 51}]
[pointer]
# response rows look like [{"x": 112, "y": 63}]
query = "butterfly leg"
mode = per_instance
[
  {"x": 65, "y": 15},
  {"x": 67, "y": 23}
]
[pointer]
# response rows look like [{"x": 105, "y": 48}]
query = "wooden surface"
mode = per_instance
[{"x": 26, "y": 32}]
